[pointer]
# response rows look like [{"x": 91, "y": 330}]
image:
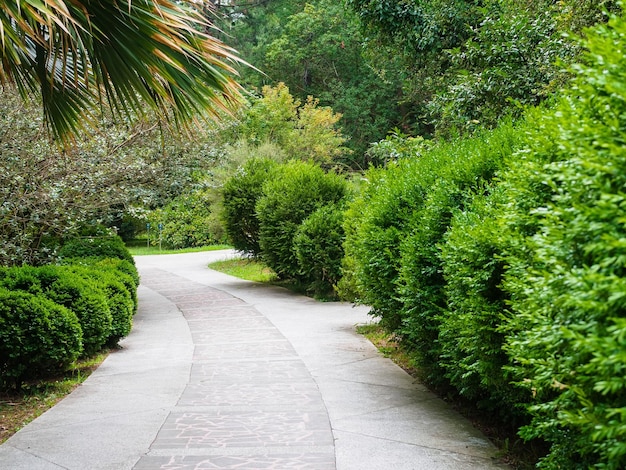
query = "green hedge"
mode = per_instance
[
  {"x": 82, "y": 296},
  {"x": 119, "y": 296},
  {"x": 296, "y": 190},
  {"x": 318, "y": 244},
  {"x": 51, "y": 314},
  {"x": 99, "y": 247},
  {"x": 396, "y": 224},
  {"x": 241, "y": 193},
  {"x": 513, "y": 288},
  {"x": 37, "y": 337},
  {"x": 566, "y": 339}
]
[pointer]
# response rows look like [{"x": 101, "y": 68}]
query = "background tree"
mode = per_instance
[{"x": 122, "y": 171}]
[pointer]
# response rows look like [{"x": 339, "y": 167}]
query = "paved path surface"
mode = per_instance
[{"x": 220, "y": 373}]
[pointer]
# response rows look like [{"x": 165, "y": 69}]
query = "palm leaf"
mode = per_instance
[{"x": 122, "y": 53}]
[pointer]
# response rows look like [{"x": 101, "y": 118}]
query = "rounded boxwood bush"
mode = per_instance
[
  {"x": 241, "y": 194},
  {"x": 297, "y": 190},
  {"x": 124, "y": 271},
  {"x": 319, "y": 247},
  {"x": 99, "y": 247},
  {"x": 37, "y": 337},
  {"x": 22, "y": 278},
  {"x": 85, "y": 299},
  {"x": 119, "y": 298},
  {"x": 82, "y": 296}
]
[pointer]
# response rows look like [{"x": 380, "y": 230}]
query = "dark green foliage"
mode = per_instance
[
  {"x": 123, "y": 266},
  {"x": 297, "y": 190},
  {"x": 470, "y": 338},
  {"x": 100, "y": 247},
  {"x": 452, "y": 173},
  {"x": 375, "y": 224},
  {"x": 121, "y": 269},
  {"x": 467, "y": 64},
  {"x": 241, "y": 193},
  {"x": 37, "y": 337},
  {"x": 318, "y": 244},
  {"x": 82, "y": 296},
  {"x": 509, "y": 65},
  {"x": 124, "y": 272},
  {"x": 418, "y": 27},
  {"x": 85, "y": 299},
  {"x": 24, "y": 278},
  {"x": 566, "y": 338},
  {"x": 190, "y": 220},
  {"x": 119, "y": 297},
  {"x": 401, "y": 216}
]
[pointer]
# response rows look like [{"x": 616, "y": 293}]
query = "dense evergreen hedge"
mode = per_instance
[
  {"x": 501, "y": 260},
  {"x": 318, "y": 244},
  {"x": 241, "y": 194},
  {"x": 296, "y": 190},
  {"x": 51, "y": 314},
  {"x": 37, "y": 337},
  {"x": 98, "y": 247},
  {"x": 396, "y": 225}
]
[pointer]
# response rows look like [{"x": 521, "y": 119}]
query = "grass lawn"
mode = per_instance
[
  {"x": 140, "y": 247},
  {"x": 254, "y": 270},
  {"x": 248, "y": 269}
]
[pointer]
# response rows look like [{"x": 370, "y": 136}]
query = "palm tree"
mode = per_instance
[{"x": 80, "y": 54}]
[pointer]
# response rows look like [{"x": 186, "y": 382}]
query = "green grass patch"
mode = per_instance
[
  {"x": 248, "y": 269},
  {"x": 140, "y": 247},
  {"x": 20, "y": 407},
  {"x": 255, "y": 270}
]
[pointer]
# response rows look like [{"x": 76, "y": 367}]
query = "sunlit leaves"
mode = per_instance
[{"x": 78, "y": 55}]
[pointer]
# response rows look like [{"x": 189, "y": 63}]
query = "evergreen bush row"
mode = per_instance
[
  {"x": 289, "y": 215},
  {"x": 52, "y": 314},
  {"x": 501, "y": 261}
]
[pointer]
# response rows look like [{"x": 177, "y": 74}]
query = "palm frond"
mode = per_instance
[{"x": 124, "y": 53}]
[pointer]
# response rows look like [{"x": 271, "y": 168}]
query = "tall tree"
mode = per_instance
[
  {"x": 319, "y": 53},
  {"x": 469, "y": 62},
  {"x": 77, "y": 54}
]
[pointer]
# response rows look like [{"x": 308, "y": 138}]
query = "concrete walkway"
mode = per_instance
[{"x": 220, "y": 373}]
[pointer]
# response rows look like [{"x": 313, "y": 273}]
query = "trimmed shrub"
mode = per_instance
[
  {"x": 374, "y": 224},
  {"x": 566, "y": 339},
  {"x": 450, "y": 174},
  {"x": 37, "y": 337},
  {"x": 318, "y": 244},
  {"x": 123, "y": 271},
  {"x": 119, "y": 298},
  {"x": 123, "y": 266},
  {"x": 85, "y": 299},
  {"x": 241, "y": 194},
  {"x": 470, "y": 335},
  {"x": 297, "y": 190},
  {"x": 22, "y": 278},
  {"x": 399, "y": 219},
  {"x": 81, "y": 296},
  {"x": 126, "y": 273},
  {"x": 99, "y": 247}
]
